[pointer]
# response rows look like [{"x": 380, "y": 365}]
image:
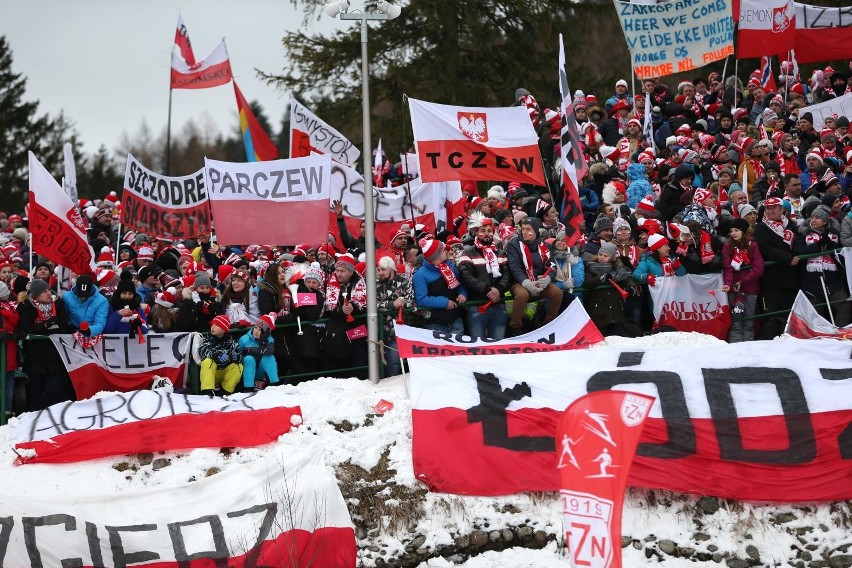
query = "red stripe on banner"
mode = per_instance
[
  {"x": 688, "y": 321},
  {"x": 241, "y": 428},
  {"x": 324, "y": 547},
  {"x": 139, "y": 214},
  {"x": 822, "y": 43},
  {"x": 384, "y": 230},
  {"x": 588, "y": 335},
  {"x": 55, "y": 239},
  {"x": 449, "y": 455},
  {"x": 449, "y": 160},
  {"x": 213, "y": 76},
  {"x": 758, "y": 43},
  {"x": 91, "y": 378},
  {"x": 271, "y": 222}
]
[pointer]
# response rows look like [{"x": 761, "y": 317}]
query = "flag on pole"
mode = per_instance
[
  {"x": 259, "y": 146},
  {"x": 57, "y": 229},
  {"x": 70, "y": 180},
  {"x": 766, "y": 26},
  {"x": 648, "y": 127},
  {"x": 766, "y": 78},
  {"x": 574, "y": 165},
  {"x": 309, "y": 134},
  {"x": 212, "y": 71},
  {"x": 182, "y": 42},
  {"x": 378, "y": 174}
]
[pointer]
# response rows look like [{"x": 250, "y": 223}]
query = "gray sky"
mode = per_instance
[{"x": 106, "y": 62}]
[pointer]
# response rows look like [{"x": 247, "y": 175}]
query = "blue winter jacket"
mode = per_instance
[
  {"x": 115, "y": 325},
  {"x": 650, "y": 265},
  {"x": 94, "y": 310},
  {"x": 424, "y": 276}
]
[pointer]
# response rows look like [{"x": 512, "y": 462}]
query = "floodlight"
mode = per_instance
[
  {"x": 386, "y": 7},
  {"x": 335, "y": 8}
]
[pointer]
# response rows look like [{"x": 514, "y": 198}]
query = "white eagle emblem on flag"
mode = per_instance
[
  {"x": 473, "y": 125},
  {"x": 780, "y": 19}
]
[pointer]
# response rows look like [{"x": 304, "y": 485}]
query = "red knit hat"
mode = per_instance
[
  {"x": 646, "y": 155},
  {"x": 346, "y": 260},
  {"x": 656, "y": 241},
  {"x": 431, "y": 248},
  {"x": 646, "y": 205},
  {"x": 267, "y": 321},
  {"x": 166, "y": 298},
  {"x": 221, "y": 320},
  {"x": 224, "y": 271},
  {"x": 701, "y": 194}
]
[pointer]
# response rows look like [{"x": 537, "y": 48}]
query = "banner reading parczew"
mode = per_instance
[
  {"x": 678, "y": 36},
  {"x": 164, "y": 206}
]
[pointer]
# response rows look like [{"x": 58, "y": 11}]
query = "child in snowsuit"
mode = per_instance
[
  {"x": 258, "y": 349},
  {"x": 220, "y": 359}
]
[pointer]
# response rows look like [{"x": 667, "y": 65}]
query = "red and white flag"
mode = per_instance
[
  {"x": 260, "y": 195},
  {"x": 573, "y": 329},
  {"x": 475, "y": 143},
  {"x": 694, "y": 302},
  {"x": 598, "y": 435},
  {"x": 182, "y": 42},
  {"x": 804, "y": 322},
  {"x": 309, "y": 135},
  {"x": 172, "y": 207},
  {"x": 487, "y": 425},
  {"x": 151, "y": 421},
  {"x": 766, "y": 27},
  {"x": 822, "y": 34},
  {"x": 118, "y": 363},
  {"x": 57, "y": 229},
  {"x": 574, "y": 166},
  {"x": 212, "y": 71},
  {"x": 282, "y": 510}
]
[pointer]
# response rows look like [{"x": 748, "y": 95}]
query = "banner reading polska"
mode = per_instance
[
  {"x": 118, "y": 363},
  {"x": 164, "y": 206},
  {"x": 57, "y": 229},
  {"x": 282, "y": 510},
  {"x": 478, "y": 143},
  {"x": 678, "y": 36},
  {"x": 694, "y": 302},
  {"x": 212, "y": 71},
  {"x": 309, "y": 134},
  {"x": 283, "y": 202}
]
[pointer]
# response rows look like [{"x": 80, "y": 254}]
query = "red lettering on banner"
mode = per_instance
[
  {"x": 213, "y": 76},
  {"x": 447, "y": 160},
  {"x": 54, "y": 239}
]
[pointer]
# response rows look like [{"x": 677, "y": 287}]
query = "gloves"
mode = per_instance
[
  {"x": 84, "y": 329},
  {"x": 676, "y": 264},
  {"x": 605, "y": 277},
  {"x": 569, "y": 283},
  {"x": 543, "y": 282},
  {"x": 223, "y": 359},
  {"x": 652, "y": 280},
  {"x": 529, "y": 286}
]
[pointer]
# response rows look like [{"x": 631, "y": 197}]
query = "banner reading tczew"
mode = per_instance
[
  {"x": 678, "y": 36},
  {"x": 726, "y": 415},
  {"x": 573, "y": 329},
  {"x": 282, "y": 510},
  {"x": 309, "y": 134},
  {"x": 477, "y": 143},
  {"x": 118, "y": 363},
  {"x": 282, "y": 202},
  {"x": 694, "y": 302},
  {"x": 164, "y": 206}
]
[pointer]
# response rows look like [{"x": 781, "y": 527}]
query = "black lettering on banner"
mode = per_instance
[
  {"x": 293, "y": 181},
  {"x": 151, "y": 347},
  {"x": 453, "y": 160},
  {"x": 501, "y": 162},
  {"x": 801, "y": 446},
  {"x": 313, "y": 180},
  {"x": 844, "y": 440},
  {"x": 433, "y": 157},
  {"x": 189, "y": 190},
  {"x": 220, "y": 552},
  {"x": 177, "y": 352},
  {"x": 243, "y": 182},
  {"x": 175, "y": 192},
  {"x": 120, "y": 557},
  {"x": 256, "y": 184},
  {"x": 480, "y": 157},
  {"x": 214, "y": 175},
  {"x": 54, "y": 424},
  {"x": 105, "y": 350},
  {"x": 127, "y": 363},
  {"x": 30, "y": 524},
  {"x": 491, "y": 412},
  {"x": 278, "y": 175},
  {"x": 6, "y": 524},
  {"x": 162, "y": 191},
  {"x": 265, "y": 528},
  {"x": 94, "y": 545},
  {"x": 681, "y": 442},
  {"x": 549, "y": 340},
  {"x": 104, "y": 414},
  {"x": 153, "y": 414}
]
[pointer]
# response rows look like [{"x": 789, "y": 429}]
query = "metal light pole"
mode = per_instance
[{"x": 386, "y": 12}]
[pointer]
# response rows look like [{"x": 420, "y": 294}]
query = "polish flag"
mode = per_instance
[
  {"x": 182, "y": 42},
  {"x": 804, "y": 322},
  {"x": 724, "y": 417},
  {"x": 766, "y": 27},
  {"x": 57, "y": 228},
  {"x": 260, "y": 195},
  {"x": 822, "y": 34},
  {"x": 309, "y": 135},
  {"x": 694, "y": 302},
  {"x": 476, "y": 143},
  {"x": 212, "y": 71}
]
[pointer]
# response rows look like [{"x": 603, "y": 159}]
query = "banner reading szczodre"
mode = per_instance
[{"x": 164, "y": 206}]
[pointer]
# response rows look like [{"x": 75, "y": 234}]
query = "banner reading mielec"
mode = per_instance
[
  {"x": 278, "y": 202},
  {"x": 164, "y": 206},
  {"x": 678, "y": 36}
]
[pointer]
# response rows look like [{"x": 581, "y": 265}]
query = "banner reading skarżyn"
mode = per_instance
[
  {"x": 164, "y": 206},
  {"x": 282, "y": 510},
  {"x": 280, "y": 202},
  {"x": 677, "y": 36},
  {"x": 478, "y": 143},
  {"x": 726, "y": 415},
  {"x": 571, "y": 330}
]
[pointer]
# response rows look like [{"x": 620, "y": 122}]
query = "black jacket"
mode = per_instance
[
  {"x": 475, "y": 276},
  {"x": 40, "y": 356},
  {"x": 772, "y": 247}
]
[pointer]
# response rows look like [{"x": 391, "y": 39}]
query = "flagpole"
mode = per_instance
[
  {"x": 405, "y": 168},
  {"x": 118, "y": 242},
  {"x": 169, "y": 130},
  {"x": 724, "y": 72},
  {"x": 736, "y": 78}
]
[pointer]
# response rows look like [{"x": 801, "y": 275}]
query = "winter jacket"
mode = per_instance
[
  {"x": 117, "y": 324},
  {"x": 196, "y": 315},
  {"x": 40, "y": 356},
  {"x": 249, "y": 345},
  {"x": 386, "y": 292},
  {"x": 780, "y": 275},
  {"x": 812, "y": 271},
  {"x": 475, "y": 276},
  {"x": 748, "y": 276},
  {"x": 94, "y": 310},
  {"x": 10, "y": 317},
  {"x": 431, "y": 291},
  {"x": 650, "y": 265},
  {"x": 669, "y": 203},
  {"x": 515, "y": 255},
  {"x": 223, "y": 351},
  {"x": 605, "y": 305},
  {"x": 846, "y": 230}
]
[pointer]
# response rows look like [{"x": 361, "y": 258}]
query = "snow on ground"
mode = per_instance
[{"x": 339, "y": 420}]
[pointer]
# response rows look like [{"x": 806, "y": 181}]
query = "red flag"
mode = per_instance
[
  {"x": 766, "y": 27},
  {"x": 212, "y": 71},
  {"x": 598, "y": 435},
  {"x": 574, "y": 165},
  {"x": 259, "y": 147},
  {"x": 182, "y": 42},
  {"x": 55, "y": 223}
]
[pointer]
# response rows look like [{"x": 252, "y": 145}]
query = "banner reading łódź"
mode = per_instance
[
  {"x": 677, "y": 36},
  {"x": 164, "y": 206},
  {"x": 279, "y": 202}
]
